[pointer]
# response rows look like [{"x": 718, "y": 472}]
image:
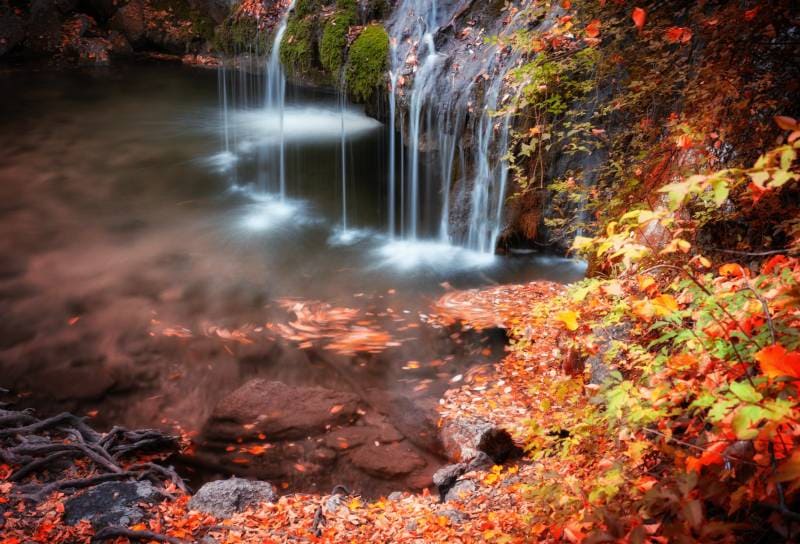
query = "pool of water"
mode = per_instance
[{"x": 145, "y": 268}]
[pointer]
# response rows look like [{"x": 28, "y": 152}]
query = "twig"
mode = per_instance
[
  {"x": 695, "y": 446},
  {"x": 751, "y": 253}
]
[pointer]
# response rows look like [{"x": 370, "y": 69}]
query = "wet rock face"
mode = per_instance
[
  {"x": 224, "y": 498},
  {"x": 111, "y": 503}
]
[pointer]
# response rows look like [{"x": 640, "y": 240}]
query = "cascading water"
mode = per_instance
[
  {"x": 276, "y": 102},
  {"x": 343, "y": 149},
  {"x": 441, "y": 112}
]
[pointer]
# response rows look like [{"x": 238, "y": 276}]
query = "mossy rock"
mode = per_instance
[
  {"x": 368, "y": 62},
  {"x": 334, "y": 37},
  {"x": 297, "y": 48},
  {"x": 237, "y": 34},
  {"x": 304, "y": 8}
]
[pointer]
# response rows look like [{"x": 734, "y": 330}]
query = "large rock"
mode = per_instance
[
  {"x": 387, "y": 462},
  {"x": 12, "y": 33},
  {"x": 110, "y": 503},
  {"x": 463, "y": 439},
  {"x": 129, "y": 20},
  {"x": 279, "y": 411},
  {"x": 224, "y": 498}
]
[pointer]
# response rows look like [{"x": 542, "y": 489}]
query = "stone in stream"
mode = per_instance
[
  {"x": 224, "y": 498},
  {"x": 110, "y": 503},
  {"x": 279, "y": 411},
  {"x": 464, "y": 439}
]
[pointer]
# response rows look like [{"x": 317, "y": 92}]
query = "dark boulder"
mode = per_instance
[
  {"x": 110, "y": 503},
  {"x": 464, "y": 439},
  {"x": 130, "y": 22}
]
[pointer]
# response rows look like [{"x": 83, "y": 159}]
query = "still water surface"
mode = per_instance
[{"x": 124, "y": 220}]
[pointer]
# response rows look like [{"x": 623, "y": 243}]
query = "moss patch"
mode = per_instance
[
  {"x": 334, "y": 36},
  {"x": 238, "y": 34},
  {"x": 297, "y": 47},
  {"x": 368, "y": 61}
]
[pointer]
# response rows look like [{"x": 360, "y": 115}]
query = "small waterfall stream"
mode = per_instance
[
  {"x": 438, "y": 117},
  {"x": 276, "y": 102}
]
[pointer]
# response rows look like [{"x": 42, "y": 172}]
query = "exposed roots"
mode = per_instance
[{"x": 43, "y": 452}]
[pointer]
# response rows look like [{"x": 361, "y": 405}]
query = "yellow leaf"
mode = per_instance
[
  {"x": 663, "y": 305},
  {"x": 569, "y": 319}
]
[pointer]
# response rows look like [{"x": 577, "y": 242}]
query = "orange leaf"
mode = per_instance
[
  {"x": 711, "y": 456},
  {"x": 678, "y": 34},
  {"x": 593, "y": 28},
  {"x": 786, "y": 123},
  {"x": 639, "y": 17},
  {"x": 750, "y": 14},
  {"x": 732, "y": 270},
  {"x": 776, "y": 362}
]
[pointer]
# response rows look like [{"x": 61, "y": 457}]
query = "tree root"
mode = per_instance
[{"x": 33, "y": 446}]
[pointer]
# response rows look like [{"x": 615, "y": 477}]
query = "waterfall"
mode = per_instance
[
  {"x": 440, "y": 112},
  {"x": 276, "y": 100},
  {"x": 393, "y": 74},
  {"x": 343, "y": 150}
]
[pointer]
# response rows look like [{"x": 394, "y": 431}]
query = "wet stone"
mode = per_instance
[{"x": 224, "y": 498}]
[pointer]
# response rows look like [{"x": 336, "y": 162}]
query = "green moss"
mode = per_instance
[
  {"x": 304, "y": 8},
  {"x": 237, "y": 34},
  {"x": 297, "y": 47},
  {"x": 334, "y": 36},
  {"x": 368, "y": 61}
]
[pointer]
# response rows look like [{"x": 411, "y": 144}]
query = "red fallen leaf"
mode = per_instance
[
  {"x": 756, "y": 191},
  {"x": 240, "y": 461},
  {"x": 711, "y": 456},
  {"x": 299, "y": 468},
  {"x": 678, "y": 34},
  {"x": 786, "y": 123},
  {"x": 92, "y": 413},
  {"x": 750, "y": 14},
  {"x": 593, "y": 28},
  {"x": 336, "y": 409},
  {"x": 774, "y": 262},
  {"x": 776, "y": 362},
  {"x": 639, "y": 17},
  {"x": 566, "y": 4}
]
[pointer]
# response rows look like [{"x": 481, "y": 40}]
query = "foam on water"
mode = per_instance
[
  {"x": 221, "y": 162},
  {"x": 303, "y": 124},
  {"x": 268, "y": 211},
  {"x": 348, "y": 237},
  {"x": 410, "y": 254}
]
